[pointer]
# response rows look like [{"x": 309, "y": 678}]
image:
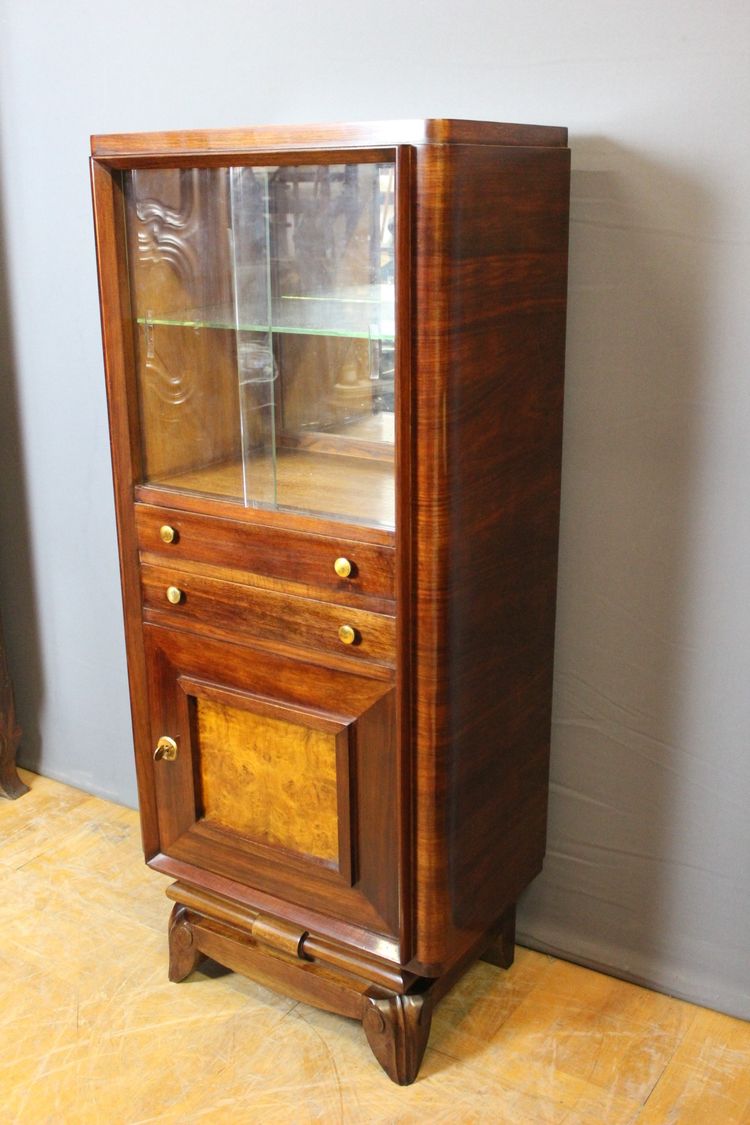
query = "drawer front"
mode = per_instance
[
  {"x": 272, "y": 552},
  {"x": 249, "y": 613}
]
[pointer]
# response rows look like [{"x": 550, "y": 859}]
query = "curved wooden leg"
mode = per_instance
[
  {"x": 397, "y": 1029},
  {"x": 184, "y": 954}
]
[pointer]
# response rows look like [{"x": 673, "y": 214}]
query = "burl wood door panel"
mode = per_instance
[
  {"x": 275, "y": 775},
  {"x": 284, "y": 777}
]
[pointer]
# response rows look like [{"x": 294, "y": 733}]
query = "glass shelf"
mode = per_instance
[{"x": 297, "y": 317}]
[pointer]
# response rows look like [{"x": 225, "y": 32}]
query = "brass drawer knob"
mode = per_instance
[
  {"x": 166, "y": 749},
  {"x": 167, "y": 534},
  {"x": 342, "y": 567},
  {"x": 174, "y": 595},
  {"x": 347, "y": 635}
]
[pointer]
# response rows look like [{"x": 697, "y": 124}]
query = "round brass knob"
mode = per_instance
[
  {"x": 342, "y": 567},
  {"x": 166, "y": 749},
  {"x": 347, "y": 635},
  {"x": 174, "y": 595},
  {"x": 167, "y": 534}
]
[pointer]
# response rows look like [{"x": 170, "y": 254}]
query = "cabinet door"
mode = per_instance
[
  {"x": 263, "y": 300},
  {"x": 277, "y": 774}
]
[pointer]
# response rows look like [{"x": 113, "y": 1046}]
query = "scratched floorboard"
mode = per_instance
[{"x": 91, "y": 1031}]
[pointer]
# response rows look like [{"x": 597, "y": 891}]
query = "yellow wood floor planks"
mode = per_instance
[{"x": 91, "y": 1030}]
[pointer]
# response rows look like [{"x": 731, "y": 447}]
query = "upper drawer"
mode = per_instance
[{"x": 273, "y": 552}]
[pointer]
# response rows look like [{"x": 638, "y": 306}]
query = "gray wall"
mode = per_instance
[{"x": 650, "y": 839}]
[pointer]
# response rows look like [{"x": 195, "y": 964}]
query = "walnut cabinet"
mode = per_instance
[{"x": 334, "y": 359}]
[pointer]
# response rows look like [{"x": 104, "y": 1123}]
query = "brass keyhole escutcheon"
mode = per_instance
[
  {"x": 342, "y": 567},
  {"x": 347, "y": 635},
  {"x": 167, "y": 534},
  {"x": 174, "y": 595},
  {"x": 166, "y": 749}
]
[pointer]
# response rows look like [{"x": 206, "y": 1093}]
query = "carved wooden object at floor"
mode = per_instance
[
  {"x": 184, "y": 954},
  {"x": 397, "y": 1029},
  {"x": 501, "y": 949},
  {"x": 10, "y": 732}
]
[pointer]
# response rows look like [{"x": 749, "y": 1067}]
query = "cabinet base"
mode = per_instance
[{"x": 394, "y": 1007}]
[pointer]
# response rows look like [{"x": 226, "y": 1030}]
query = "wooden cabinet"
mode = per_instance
[{"x": 334, "y": 361}]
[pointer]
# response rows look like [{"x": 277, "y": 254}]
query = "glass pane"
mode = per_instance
[{"x": 265, "y": 334}]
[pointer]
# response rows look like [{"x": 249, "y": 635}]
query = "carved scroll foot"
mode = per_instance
[
  {"x": 397, "y": 1029},
  {"x": 502, "y": 950},
  {"x": 184, "y": 954}
]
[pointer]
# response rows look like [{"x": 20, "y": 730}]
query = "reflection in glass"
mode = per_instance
[{"x": 265, "y": 330}]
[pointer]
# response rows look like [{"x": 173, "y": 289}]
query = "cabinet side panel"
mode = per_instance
[{"x": 495, "y": 368}]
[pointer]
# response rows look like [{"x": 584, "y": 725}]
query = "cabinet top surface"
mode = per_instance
[{"x": 281, "y": 137}]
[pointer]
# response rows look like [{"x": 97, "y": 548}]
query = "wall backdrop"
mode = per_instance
[{"x": 648, "y": 872}]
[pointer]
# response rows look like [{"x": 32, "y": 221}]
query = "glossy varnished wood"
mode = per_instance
[
  {"x": 258, "y": 550},
  {"x": 184, "y": 953},
  {"x": 491, "y": 287},
  {"x": 397, "y": 1029},
  {"x": 122, "y": 404},
  {"x": 364, "y": 886},
  {"x": 237, "y": 611},
  {"x": 311, "y": 945},
  {"x": 444, "y": 704},
  {"x": 326, "y": 136},
  {"x": 263, "y": 517}
]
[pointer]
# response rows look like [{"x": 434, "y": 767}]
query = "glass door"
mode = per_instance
[{"x": 263, "y": 301}]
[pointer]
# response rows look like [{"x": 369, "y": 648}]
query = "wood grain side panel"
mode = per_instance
[{"x": 489, "y": 419}]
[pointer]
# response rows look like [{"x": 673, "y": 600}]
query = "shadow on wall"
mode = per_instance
[
  {"x": 607, "y": 894},
  {"x": 17, "y": 594}
]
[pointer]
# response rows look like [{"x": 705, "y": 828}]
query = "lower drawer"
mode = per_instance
[{"x": 251, "y": 613}]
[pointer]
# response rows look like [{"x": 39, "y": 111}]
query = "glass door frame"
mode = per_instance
[{"x": 402, "y": 156}]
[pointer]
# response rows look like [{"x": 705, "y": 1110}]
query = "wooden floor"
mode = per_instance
[{"x": 91, "y": 1030}]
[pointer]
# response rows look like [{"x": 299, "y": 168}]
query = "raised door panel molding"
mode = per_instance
[{"x": 274, "y": 790}]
